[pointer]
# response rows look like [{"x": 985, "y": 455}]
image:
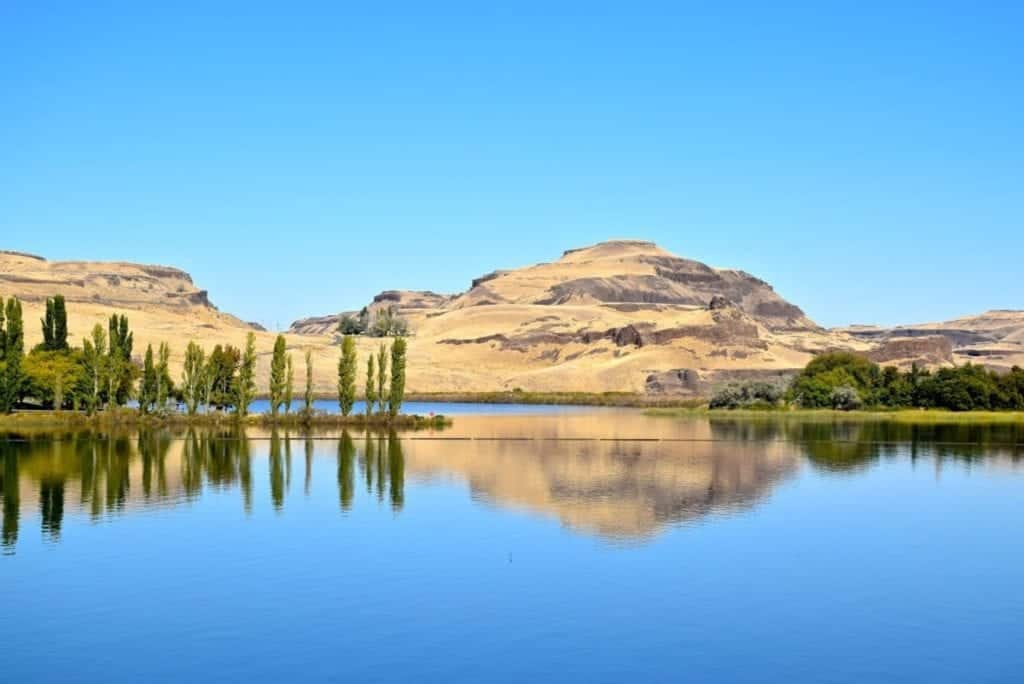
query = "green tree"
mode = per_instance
[
  {"x": 95, "y": 353},
  {"x": 278, "y": 371},
  {"x": 164, "y": 384},
  {"x": 60, "y": 324},
  {"x": 47, "y": 324},
  {"x": 222, "y": 368},
  {"x": 289, "y": 386},
  {"x": 55, "y": 378},
  {"x": 12, "y": 379},
  {"x": 397, "y": 392},
  {"x": 382, "y": 378},
  {"x": 246, "y": 383},
  {"x": 147, "y": 390},
  {"x": 371, "y": 386},
  {"x": 308, "y": 408},
  {"x": 347, "y": 375},
  {"x": 192, "y": 380},
  {"x": 121, "y": 372}
]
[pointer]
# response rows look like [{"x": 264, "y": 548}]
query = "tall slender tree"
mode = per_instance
[
  {"x": 12, "y": 377},
  {"x": 95, "y": 353},
  {"x": 347, "y": 375},
  {"x": 308, "y": 397},
  {"x": 278, "y": 371},
  {"x": 382, "y": 378},
  {"x": 60, "y": 324},
  {"x": 164, "y": 384},
  {"x": 397, "y": 393},
  {"x": 246, "y": 386},
  {"x": 371, "y": 386},
  {"x": 147, "y": 391},
  {"x": 289, "y": 385},
  {"x": 192, "y": 377},
  {"x": 47, "y": 323}
]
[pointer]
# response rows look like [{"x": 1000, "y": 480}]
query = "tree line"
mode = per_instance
[
  {"x": 102, "y": 374},
  {"x": 847, "y": 381}
]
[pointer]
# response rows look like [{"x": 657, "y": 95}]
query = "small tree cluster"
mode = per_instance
[{"x": 747, "y": 395}]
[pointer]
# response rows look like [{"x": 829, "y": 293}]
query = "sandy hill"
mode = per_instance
[
  {"x": 994, "y": 338},
  {"x": 617, "y": 316},
  {"x": 623, "y": 315}
]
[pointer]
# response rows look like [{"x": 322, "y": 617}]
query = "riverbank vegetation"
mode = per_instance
[
  {"x": 847, "y": 382},
  {"x": 99, "y": 381}
]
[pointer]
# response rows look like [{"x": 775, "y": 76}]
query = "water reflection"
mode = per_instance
[{"x": 591, "y": 473}]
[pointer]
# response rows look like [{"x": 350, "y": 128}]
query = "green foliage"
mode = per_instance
[
  {"x": 164, "y": 384},
  {"x": 308, "y": 395},
  {"x": 397, "y": 377},
  {"x": 278, "y": 376},
  {"x": 289, "y": 385},
  {"x": 121, "y": 372},
  {"x": 192, "y": 377},
  {"x": 55, "y": 325},
  {"x": 350, "y": 325},
  {"x": 221, "y": 369},
  {"x": 813, "y": 387},
  {"x": 147, "y": 390},
  {"x": 847, "y": 381},
  {"x": 382, "y": 378},
  {"x": 371, "y": 386},
  {"x": 347, "y": 375},
  {"x": 12, "y": 377},
  {"x": 387, "y": 323},
  {"x": 56, "y": 379},
  {"x": 747, "y": 395},
  {"x": 846, "y": 399},
  {"x": 245, "y": 387},
  {"x": 94, "y": 351}
]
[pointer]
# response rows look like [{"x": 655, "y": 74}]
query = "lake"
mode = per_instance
[{"x": 519, "y": 544}]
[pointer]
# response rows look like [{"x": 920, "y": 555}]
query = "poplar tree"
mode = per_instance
[
  {"x": 12, "y": 378},
  {"x": 245, "y": 391},
  {"x": 47, "y": 323},
  {"x": 382, "y": 378},
  {"x": 60, "y": 324},
  {"x": 289, "y": 386},
  {"x": 278, "y": 370},
  {"x": 397, "y": 377},
  {"x": 120, "y": 371},
  {"x": 347, "y": 375},
  {"x": 95, "y": 353},
  {"x": 371, "y": 387},
  {"x": 164, "y": 384},
  {"x": 309, "y": 383},
  {"x": 147, "y": 392},
  {"x": 192, "y": 377}
]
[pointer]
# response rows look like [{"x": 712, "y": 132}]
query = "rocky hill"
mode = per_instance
[{"x": 622, "y": 316}]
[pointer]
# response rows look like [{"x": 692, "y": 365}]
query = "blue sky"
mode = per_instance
[{"x": 867, "y": 160}]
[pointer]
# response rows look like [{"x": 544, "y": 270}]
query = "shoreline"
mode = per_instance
[
  {"x": 833, "y": 415},
  {"x": 129, "y": 418}
]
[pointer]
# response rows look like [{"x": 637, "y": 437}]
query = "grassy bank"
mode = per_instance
[
  {"x": 829, "y": 415},
  {"x": 629, "y": 399},
  {"x": 128, "y": 418}
]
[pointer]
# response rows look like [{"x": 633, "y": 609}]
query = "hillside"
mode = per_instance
[
  {"x": 623, "y": 316},
  {"x": 616, "y": 316}
]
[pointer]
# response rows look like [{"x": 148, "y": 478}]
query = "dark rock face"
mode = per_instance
[
  {"x": 718, "y": 302},
  {"x": 928, "y": 350},
  {"x": 487, "y": 277},
  {"x": 679, "y": 382}
]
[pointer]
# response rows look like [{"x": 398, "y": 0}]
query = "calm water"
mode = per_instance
[{"x": 540, "y": 545}]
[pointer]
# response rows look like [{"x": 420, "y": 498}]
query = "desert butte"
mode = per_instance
[{"x": 619, "y": 316}]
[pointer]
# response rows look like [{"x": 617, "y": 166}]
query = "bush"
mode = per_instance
[
  {"x": 747, "y": 395},
  {"x": 845, "y": 399}
]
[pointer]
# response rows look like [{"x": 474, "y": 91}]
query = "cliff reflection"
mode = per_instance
[{"x": 608, "y": 474}]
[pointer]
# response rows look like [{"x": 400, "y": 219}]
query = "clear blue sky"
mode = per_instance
[{"x": 866, "y": 159}]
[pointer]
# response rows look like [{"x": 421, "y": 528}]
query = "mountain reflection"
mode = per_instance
[{"x": 621, "y": 476}]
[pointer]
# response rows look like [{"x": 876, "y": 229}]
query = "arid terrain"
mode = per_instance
[{"x": 622, "y": 316}]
